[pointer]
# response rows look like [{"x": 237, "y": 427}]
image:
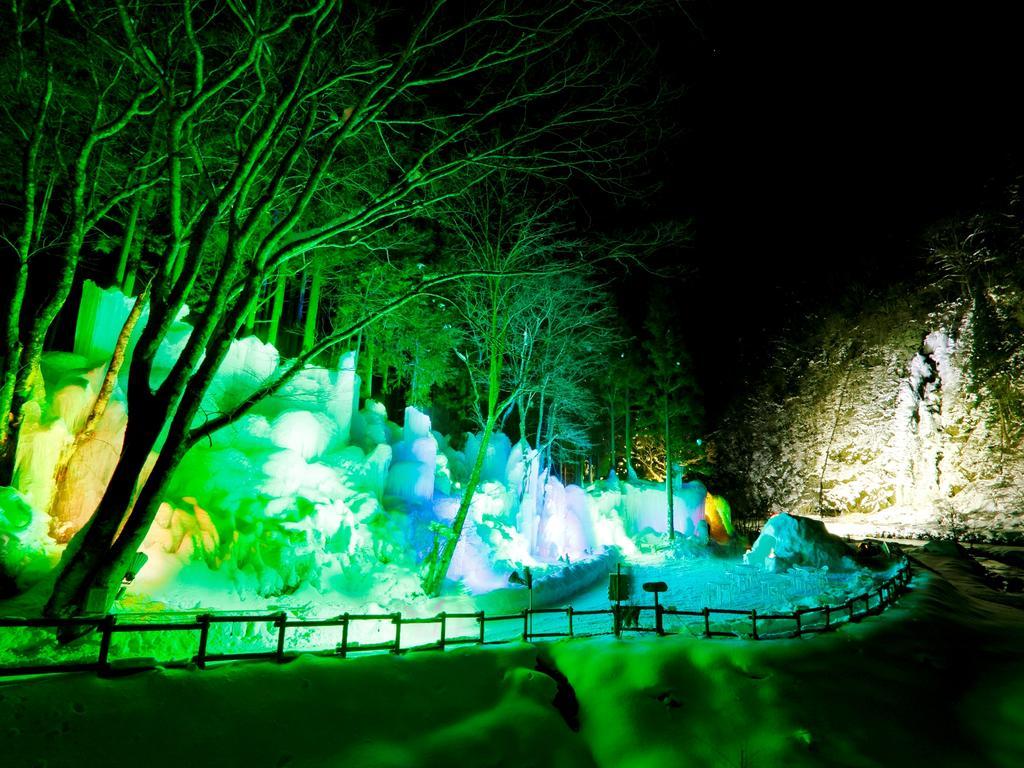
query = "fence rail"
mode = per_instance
[{"x": 758, "y": 627}]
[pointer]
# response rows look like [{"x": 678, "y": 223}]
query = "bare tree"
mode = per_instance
[
  {"x": 77, "y": 139},
  {"x": 534, "y": 332},
  {"x": 259, "y": 112},
  {"x": 502, "y": 235}
]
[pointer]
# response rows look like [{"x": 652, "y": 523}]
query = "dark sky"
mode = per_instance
[{"x": 821, "y": 137}]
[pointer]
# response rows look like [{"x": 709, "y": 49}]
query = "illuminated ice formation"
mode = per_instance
[
  {"x": 645, "y": 506},
  {"x": 787, "y": 540},
  {"x": 532, "y": 518},
  {"x": 306, "y": 496},
  {"x": 498, "y": 452},
  {"x": 411, "y": 478}
]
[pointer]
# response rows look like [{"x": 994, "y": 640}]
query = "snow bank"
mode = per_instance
[
  {"x": 637, "y": 702},
  {"x": 491, "y": 708},
  {"x": 26, "y": 550},
  {"x": 305, "y": 495},
  {"x": 820, "y": 701}
]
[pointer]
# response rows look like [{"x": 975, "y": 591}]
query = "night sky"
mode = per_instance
[{"x": 819, "y": 140}]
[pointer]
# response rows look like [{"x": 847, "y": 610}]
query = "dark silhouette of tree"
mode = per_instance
[{"x": 677, "y": 410}]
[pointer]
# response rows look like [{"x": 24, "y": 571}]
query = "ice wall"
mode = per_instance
[
  {"x": 645, "y": 506},
  {"x": 553, "y": 523},
  {"x": 47, "y": 450},
  {"x": 305, "y": 491},
  {"x": 101, "y": 315},
  {"x": 499, "y": 449},
  {"x": 411, "y": 478}
]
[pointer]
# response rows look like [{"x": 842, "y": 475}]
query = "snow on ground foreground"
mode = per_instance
[{"x": 938, "y": 680}]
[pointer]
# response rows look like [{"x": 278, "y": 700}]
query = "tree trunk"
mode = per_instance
[
  {"x": 127, "y": 241},
  {"x": 832, "y": 437},
  {"x": 90, "y": 564},
  {"x": 22, "y": 351},
  {"x": 630, "y": 472},
  {"x": 131, "y": 241},
  {"x": 611, "y": 414},
  {"x": 670, "y": 496},
  {"x": 367, "y": 382},
  {"x": 250, "y": 318},
  {"x": 441, "y": 558},
  {"x": 414, "y": 381},
  {"x": 540, "y": 420},
  {"x": 13, "y": 351},
  {"x": 313, "y": 310},
  {"x": 98, "y": 556},
  {"x": 85, "y": 554},
  {"x": 276, "y": 307}
]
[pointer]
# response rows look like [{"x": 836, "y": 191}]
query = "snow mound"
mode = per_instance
[
  {"x": 788, "y": 540},
  {"x": 26, "y": 550}
]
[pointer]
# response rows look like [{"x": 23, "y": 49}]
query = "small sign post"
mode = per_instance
[
  {"x": 654, "y": 587},
  {"x": 620, "y": 586}
]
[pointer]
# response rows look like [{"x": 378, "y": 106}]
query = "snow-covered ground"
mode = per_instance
[
  {"x": 694, "y": 577},
  {"x": 901, "y": 523},
  {"x": 937, "y": 680}
]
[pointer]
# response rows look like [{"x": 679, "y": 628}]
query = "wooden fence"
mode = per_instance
[{"x": 752, "y": 624}]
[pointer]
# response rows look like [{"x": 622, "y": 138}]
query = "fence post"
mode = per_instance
[
  {"x": 569, "y": 612},
  {"x": 753, "y": 623},
  {"x": 344, "y": 635},
  {"x": 797, "y": 615},
  {"x": 526, "y": 625},
  {"x": 707, "y": 622},
  {"x": 397, "y": 619},
  {"x": 849, "y": 605},
  {"x": 444, "y": 627},
  {"x": 282, "y": 625},
  {"x": 204, "y": 637},
  {"x": 480, "y": 617},
  {"x": 107, "y": 628},
  {"x": 659, "y": 624},
  {"x": 828, "y": 615}
]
